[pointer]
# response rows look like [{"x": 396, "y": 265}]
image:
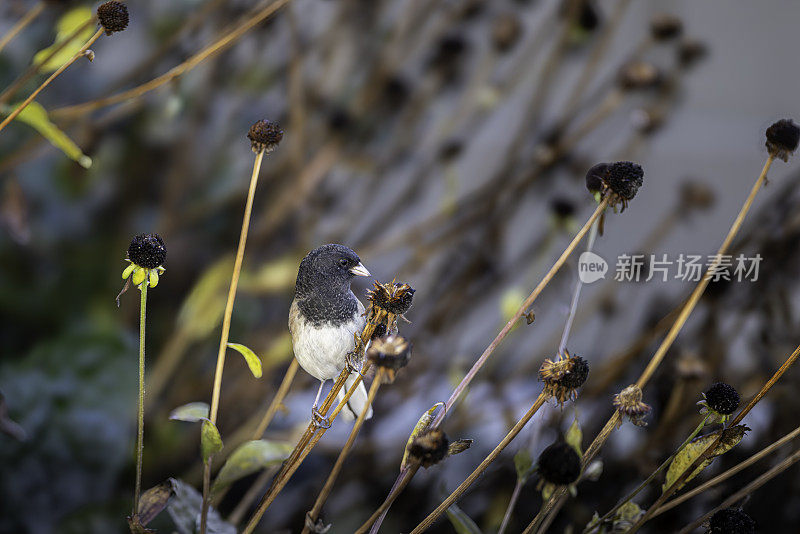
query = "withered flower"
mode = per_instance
[
  {"x": 629, "y": 404},
  {"x": 113, "y": 17},
  {"x": 620, "y": 181},
  {"x": 559, "y": 464},
  {"x": 393, "y": 297},
  {"x": 563, "y": 376},
  {"x": 392, "y": 353},
  {"x": 783, "y": 137},
  {"x": 264, "y": 136}
]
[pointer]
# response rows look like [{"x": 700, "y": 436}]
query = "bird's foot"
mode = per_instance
[
  {"x": 354, "y": 363},
  {"x": 319, "y": 420}
]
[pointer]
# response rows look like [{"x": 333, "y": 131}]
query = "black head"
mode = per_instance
[{"x": 327, "y": 267}]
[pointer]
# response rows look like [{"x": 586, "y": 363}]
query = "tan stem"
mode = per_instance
[{"x": 22, "y": 24}]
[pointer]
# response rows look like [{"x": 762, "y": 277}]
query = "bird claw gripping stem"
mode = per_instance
[{"x": 319, "y": 420}]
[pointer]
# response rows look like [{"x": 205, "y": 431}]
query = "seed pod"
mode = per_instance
[
  {"x": 393, "y": 297},
  {"x": 264, "y": 136},
  {"x": 783, "y": 137},
  {"x": 147, "y": 250},
  {"x": 629, "y": 404},
  {"x": 563, "y": 376},
  {"x": 113, "y": 17},
  {"x": 430, "y": 447},
  {"x": 391, "y": 353},
  {"x": 722, "y": 398},
  {"x": 559, "y": 464}
]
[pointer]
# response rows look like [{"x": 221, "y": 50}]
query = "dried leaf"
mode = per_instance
[
  {"x": 458, "y": 446},
  {"x": 35, "y": 116},
  {"x": 251, "y": 457},
  {"x": 253, "y": 361},
  {"x": 574, "y": 437},
  {"x": 523, "y": 462},
  {"x": 191, "y": 413},
  {"x": 461, "y": 521},
  {"x": 210, "y": 440},
  {"x": 422, "y": 425},
  {"x": 155, "y": 499},
  {"x": 136, "y": 527},
  {"x": 687, "y": 456},
  {"x": 69, "y": 22},
  {"x": 184, "y": 509}
]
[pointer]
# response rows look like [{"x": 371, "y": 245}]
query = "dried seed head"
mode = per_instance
[
  {"x": 393, "y": 297},
  {"x": 690, "y": 51},
  {"x": 595, "y": 178},
  {"x": 430, "y": 447},
  {"x": 629, "y": 403},
  {"x": 562, "y": 208},
  {"x": 506, "y": 30},
  {"x": 559, "y": 464},
  {"x": 390, "y": 352},
  {"x": 147, "y": 250},
  {"x": 624, "y": 178},
  {"x": 731, "y": 521},
  {"x": 113, "y": 16},
  {"x": 587, "y": 17},
  {"x": 563, "y": 376},
  {"x": 664, "y": 27},
  {"x": 722, "y": 398},
  {"x": 782, "y": 139},
  {"x": 264, "y": 135},
  {"x": 639, "y": 74}
]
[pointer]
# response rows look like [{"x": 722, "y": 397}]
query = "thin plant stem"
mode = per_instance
[
  {"x": 729, "y": 473},
  {"x": 573, "y": 308},
  {"x": 377, "y": 518},
  {"x": 29, "y": 17},
  {"x": 458, "y": 492},
  {"x": 226, "y": 325},
  {"x": 745, "y": 491},
  {"x": 511, "y": 504},
  {"x": 312, "y": 516},
  {"x": 255, "y": 18},
  {"x": 661, "y": 352},
  {"x": 251, "y": 495},
  {"x": 140, "y": 419},
  {"x": 52, "y": 77},
  {"x": 706, "y": 454},
  {"x": 31, "y": 71},
  {"x": 399, "y": 485},
  {"x": 652, "y": 476},
  {"x": 283, "y": 390}
]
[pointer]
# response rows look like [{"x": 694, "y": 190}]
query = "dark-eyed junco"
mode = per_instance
[{"x": 323, "y": 318}]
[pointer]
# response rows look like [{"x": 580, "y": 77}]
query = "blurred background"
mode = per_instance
[{"x": 446, "y": 141}]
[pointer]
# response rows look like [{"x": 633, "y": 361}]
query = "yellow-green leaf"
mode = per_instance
[
  {"x": 692, "y": 451},
  {"x": 574, "y": 437},
  {"x": 523, "y": 462},
  {"x": 202, "y": 310},
  {"x": 191, "y": 413},
  {"x": 461, "y": 521},
  {"x": 210, "y": 440},
  {"x": 35, "y": 116},
  {"x": 421, "y": 426},
  {"x": 249, "y": 458},
  {"x": 70, "y": 22},
  {"x": 253, "y": 362}
]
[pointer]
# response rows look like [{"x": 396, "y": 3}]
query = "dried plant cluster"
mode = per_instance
[{"x": 391, "y": 145}]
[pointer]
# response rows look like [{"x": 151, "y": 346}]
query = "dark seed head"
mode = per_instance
[
  {"x": 562, "y": 208},
  {"x": 690, "y": 51},
  {"x": 731, "y": 521},
  {"x": 147, "y": 250},
  {"x": 722, "y": 398},
  {"x": 113, "y": 16},
  {"x": 595, "y": 177},
  {"x": 394, "y": 298},
  {"x": 559, "y": 464},
  {"x": 624, "y": 178},
  {"x": 664, "y": 27},
  {"x": 639, "y": 74},
  {"x": 783, "y": 138},
  {"x": 264, "y": 135},
  {"x": 430, "y": 447},
  {"x": 392, "y": 352},
  {"x": 577, "y": 375}
]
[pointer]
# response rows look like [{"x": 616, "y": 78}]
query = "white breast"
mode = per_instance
[{"x": 321, "y": 350}]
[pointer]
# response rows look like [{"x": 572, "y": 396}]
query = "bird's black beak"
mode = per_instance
[{"x": 360, "y": 270}]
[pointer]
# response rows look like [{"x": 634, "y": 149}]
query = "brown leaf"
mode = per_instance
[{"x": 154, "y": 500}]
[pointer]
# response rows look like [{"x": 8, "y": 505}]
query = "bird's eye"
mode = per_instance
[{"x": 343, "y": 262}]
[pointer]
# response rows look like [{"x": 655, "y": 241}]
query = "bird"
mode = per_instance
[{"x": 324, "y": 318}]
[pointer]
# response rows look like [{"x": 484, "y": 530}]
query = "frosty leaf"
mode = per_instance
[
  {"x": 692, "y": 451},
  {"x": 35, "y": 116},
  {"x": 253, "y": 362},
  {"x": 210, "y": 440},
  {"x": 70, "y": 22},
  {"x": 249, "y": 458},
  {"x": 191, "y": 413}
]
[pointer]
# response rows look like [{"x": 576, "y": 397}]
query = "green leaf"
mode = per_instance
[
  {"x": 35, "y": 116},
  {"x": 210, "y": 440},
  {"x": 253, "y": 362},
  {"x": 202, "y": 310},
  {"x": 574, "y": 437},
  {"x": 191, "y": 413},
  {"x": 461, "y": 521},
  {"x": 249, "y": 458},
  {"x": 68, "y": 23},
  {"x": 184, "y": 509},
  {"x": 523, "y": 462},
  {"x": 692, "y": 451}
]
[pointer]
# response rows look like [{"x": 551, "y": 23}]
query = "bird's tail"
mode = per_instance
[{"x": 357, "y": 402}]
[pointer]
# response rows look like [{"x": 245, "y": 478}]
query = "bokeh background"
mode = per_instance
[{"x": 446, "y": 141}]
